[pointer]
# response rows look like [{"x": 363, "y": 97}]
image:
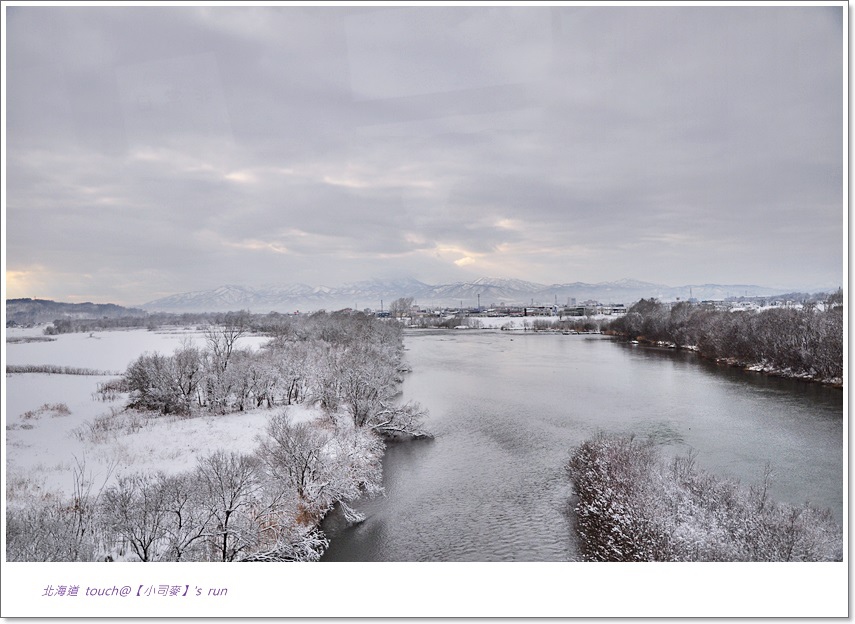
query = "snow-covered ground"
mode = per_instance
[
  {"x": 102, "y": 350},
  {"x": 44, "y": 446}
]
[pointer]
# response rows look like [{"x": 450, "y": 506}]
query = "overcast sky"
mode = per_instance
[{"x": 156, "y": 150}]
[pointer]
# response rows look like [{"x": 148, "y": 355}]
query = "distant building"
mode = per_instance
[{"x": 540, "y": 310}]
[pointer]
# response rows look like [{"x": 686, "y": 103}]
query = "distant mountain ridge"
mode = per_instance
[{"x": 492, "y": 291}]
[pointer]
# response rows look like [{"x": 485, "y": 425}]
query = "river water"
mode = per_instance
[{"x": 506, "y": 409}]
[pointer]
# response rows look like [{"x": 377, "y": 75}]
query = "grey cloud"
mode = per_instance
[
  {"x": 181, "y": 145},
  {"x": 470, "y": 48}
]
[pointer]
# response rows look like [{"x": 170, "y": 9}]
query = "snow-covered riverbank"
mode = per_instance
[
  {"x": 65, "y": 439},
  {"x": 41, "y": 451}
]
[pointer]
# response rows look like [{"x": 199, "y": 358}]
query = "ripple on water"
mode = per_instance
[{"x": 492, "y": 486}]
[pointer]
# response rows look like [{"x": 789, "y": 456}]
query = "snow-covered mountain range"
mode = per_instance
[{"x": 492, "y": 291}]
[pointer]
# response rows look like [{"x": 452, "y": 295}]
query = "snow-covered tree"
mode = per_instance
[
  {"x": 185, "y": 520},
  {"x": 230, "y": 488},
  {"x": 134, "y": 510},
  {"x": 632, "y": 506},
  {"x": 43, "y": 530},
  {"x": 295, "y": 457}
]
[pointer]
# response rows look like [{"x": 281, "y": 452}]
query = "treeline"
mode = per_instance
[
  {"x": 140, "y": 319},
  {"x": 269, "y": 323},
  {"x": 802, "y": 342},
  {"x": 439, "y": 322},
  {"x": 35, "y": 311},
  {"x": 633, "y": 506},
  {"x": 346, "y": 362},
  {"x": 582, "y": 324},
  {"x": 53, "y": 369},
  {"x": 260, "y": 506},
  {"x": 579, "y": 324}
]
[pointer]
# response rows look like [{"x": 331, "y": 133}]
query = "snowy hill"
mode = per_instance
[
  {"x": 370, "y": 294},
  {"x": 35, "y": 311}
]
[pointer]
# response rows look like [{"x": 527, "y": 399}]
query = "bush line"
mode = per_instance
[
  {"x": 632, "y": 506},
  {"x": 52, "y": 369}
]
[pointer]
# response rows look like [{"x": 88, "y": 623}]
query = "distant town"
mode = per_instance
[
  {"x": 29, "y": 312},
  {"x": 590, "y": 307}
]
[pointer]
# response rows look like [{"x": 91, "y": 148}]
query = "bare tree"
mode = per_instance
[
  {"x": 185, "y": 520},
  {"x": 322, "y": 469},
  {"x": 366, "y": 380},
  {"x": 324, "y": 375},
  {"x": 355, "y": 468},
  {"x": 294, "y": 455},
  {"x": 221, "y": 345},
  {"x": 221, "y": 339},
  {"x": 290, "y": 361},
  {"x": 394, "y": 420},
  {"x": 151, "y": 381},
  {"x": 400, "y": 306},
  {"x": 44, "y": 531},
  {"x": 134, "y": 509},
  {"x": 230, "y": 487},
  {"x": 188, "y": 373}
]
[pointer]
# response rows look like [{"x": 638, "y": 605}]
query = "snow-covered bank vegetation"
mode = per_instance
[
  {"x": 136, "y": 319},
  {"x": 232, "y": 506},
  {"x": 632, "y": 506},
  {"x": 344, "y": 363},
  {"x": 584, "y": 324},
  {"x": 288, "y": 430},
  {"x": 805, "y": 342},
  {"x": 53, "y": 369}
]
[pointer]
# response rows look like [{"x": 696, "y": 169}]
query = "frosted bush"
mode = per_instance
[{"x": 632, "y": 506}]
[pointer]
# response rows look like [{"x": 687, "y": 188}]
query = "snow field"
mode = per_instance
[{"x": 43, "y": 451}]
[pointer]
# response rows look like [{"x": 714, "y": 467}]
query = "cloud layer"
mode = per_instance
[{"x": 153, "y": 150}]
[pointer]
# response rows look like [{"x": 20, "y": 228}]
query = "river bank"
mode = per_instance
[
  {"x": 764, "y": 368},
  {"x": 283, "y": 463},
  {"x": 632, "y": 505}
]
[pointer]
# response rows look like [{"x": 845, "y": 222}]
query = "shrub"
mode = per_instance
[
  {"x": 633, "y": 507},
  {"x": 54, "y": 409}
]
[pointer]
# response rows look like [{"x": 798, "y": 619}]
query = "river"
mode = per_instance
[{"x": 506, "y": 409}]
